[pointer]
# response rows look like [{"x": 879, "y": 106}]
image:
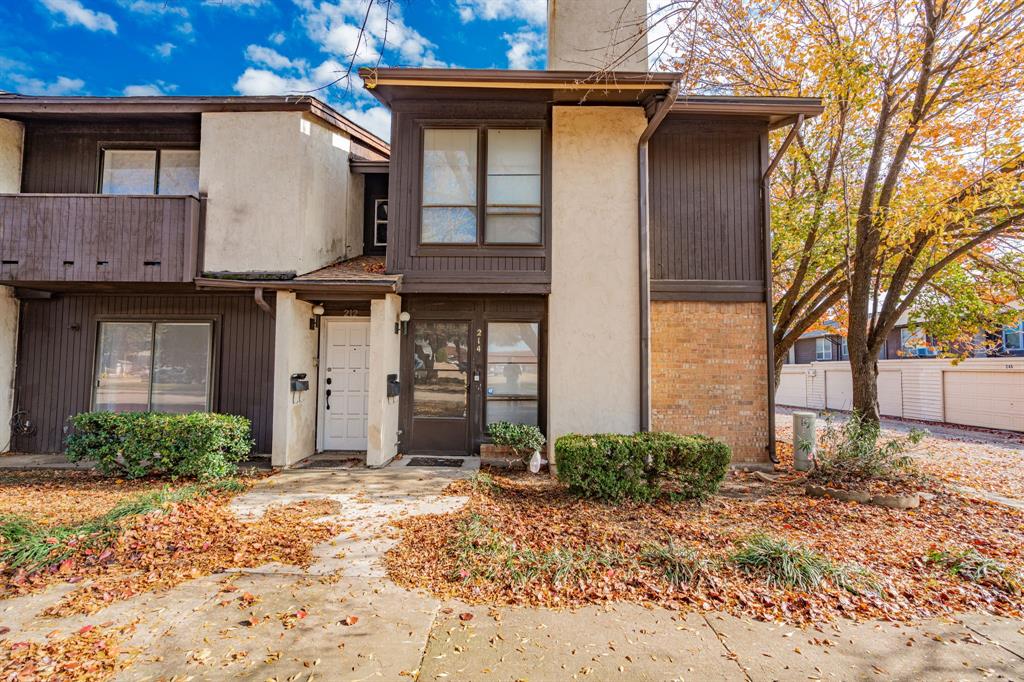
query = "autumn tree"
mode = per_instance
[{"x": 907, "y": 194}]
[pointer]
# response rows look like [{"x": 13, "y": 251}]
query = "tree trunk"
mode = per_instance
[
  {"x": 864, "y": 373},
  {"x": 780, "y": 361}
]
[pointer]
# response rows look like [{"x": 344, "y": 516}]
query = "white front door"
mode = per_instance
[{"x": 345, "y": 382}]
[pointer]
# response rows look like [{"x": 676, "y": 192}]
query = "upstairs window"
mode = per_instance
[
  {"x": 150, "y": 171},
  {"x": 822, "y": 348},
  {"x": 380, "y": 222},
  {"x": 496, "y": 202},
  {"x": 915, "y": 343},
  {"x": 1013, "y": 338}
]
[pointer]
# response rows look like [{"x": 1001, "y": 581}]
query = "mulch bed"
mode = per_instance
[{"x": 535, "y": 513}]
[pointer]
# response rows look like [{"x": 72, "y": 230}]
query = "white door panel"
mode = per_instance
[{"x": 345, "y": 362}]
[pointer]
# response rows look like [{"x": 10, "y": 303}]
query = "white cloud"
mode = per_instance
[
  {"x": 531, "y": 11},
  {"x": 158, "y": 8},
  {"x": 185, "y": 28},
  {"x": 270, "y": 57},
  {"x": 34, "y": 86},
  {"x": 525, "y": 49},
  {"x": 375, "y": 119},
  {"x": 164, "y": 49},
  {"x": 277, "y": 38},
  {"x": 263, "y": 82},
  {"x": 234, "y": 4},
  {"x": 75, "y": 13},
  {"x": 149, "y": 89},
  {"x": 335, "y": 26}
]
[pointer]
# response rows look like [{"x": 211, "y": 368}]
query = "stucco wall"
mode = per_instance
[
  {"x": 385, "y": 355},
  {"x": 278, "y": 193},
  {"x": 12, "y": 141},
  {"x": 593, "y": 309},
  {"x": 295, "y": 351},
  {"x": 596, "y": 34},
  {"x": 8, "y": 356}
]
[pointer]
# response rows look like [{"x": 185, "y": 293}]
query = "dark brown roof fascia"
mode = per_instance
[
  {"x": 358, "y": 165},
  {"x": 23, "y": 104},
  {"x": 778, "y": 111},
  {"x": 362, "y": 287}
]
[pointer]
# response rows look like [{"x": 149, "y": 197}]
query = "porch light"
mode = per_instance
[
  {"x": 318, "y": 309},
  {"x": 403, "y": 318}
]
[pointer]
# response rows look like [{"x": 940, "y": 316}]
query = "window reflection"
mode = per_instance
[
  {"x": 513, "y": 371},
  {"x": 440, "y": 369}
]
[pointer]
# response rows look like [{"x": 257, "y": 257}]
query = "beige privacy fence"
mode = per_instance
[{"x": 985, "y": 392}]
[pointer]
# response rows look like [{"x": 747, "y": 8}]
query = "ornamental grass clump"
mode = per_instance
[
  {"x": 679, "y": 565},
  {"x": 854, "y": 452},
  {"x": 972, "y": 566},
  {"x": 783, "y": 564}
]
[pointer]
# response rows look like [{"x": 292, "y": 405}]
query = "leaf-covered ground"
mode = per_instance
[
  {"x": 526, "y": 541},
  {"x": 67, "y": 496}
]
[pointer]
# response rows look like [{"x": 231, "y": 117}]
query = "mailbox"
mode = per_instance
[
  {"x": 394, "y": 388},
  {"x": 299, "y": 382}
]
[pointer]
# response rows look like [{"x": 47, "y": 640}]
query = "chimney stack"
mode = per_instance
[{"x": 594, "y": 35}]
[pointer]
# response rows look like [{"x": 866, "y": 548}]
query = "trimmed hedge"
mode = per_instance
[
  {"x": 201, "y": 445},
  {"x": 641, "y": 466}
]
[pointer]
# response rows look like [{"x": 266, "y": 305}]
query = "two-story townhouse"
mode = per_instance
[
  {"x": 561, "y": 248},
  {"x": 112, "y": 208}
]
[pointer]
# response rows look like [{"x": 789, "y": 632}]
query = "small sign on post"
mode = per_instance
[{"x": 804, "y": 440}]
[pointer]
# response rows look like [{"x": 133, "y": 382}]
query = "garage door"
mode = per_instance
[
  {"x": 839, "y": 390},
  {"x": 792, "y": 389},
  {"x": 991, "y": 399},
  {"x": 890, "y": 393}
]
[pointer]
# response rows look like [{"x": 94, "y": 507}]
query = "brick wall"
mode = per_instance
[{"x": 709, "y": 373}]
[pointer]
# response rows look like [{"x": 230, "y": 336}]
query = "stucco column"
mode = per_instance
[
  {"x": 385, "y": 355},
  {"x": 12, "y": 139},
  {"x": 295, "y": 351}
]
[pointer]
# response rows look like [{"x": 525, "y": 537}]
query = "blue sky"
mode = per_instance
[{"x": 253, "y": 47}]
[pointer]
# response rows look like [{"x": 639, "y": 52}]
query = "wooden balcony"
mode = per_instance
[{"x": 98, "y": 238}]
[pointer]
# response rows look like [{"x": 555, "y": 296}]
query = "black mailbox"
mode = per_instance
[
  {"x": 394, "y": 388},
  {"x": 300, "y": 382}
]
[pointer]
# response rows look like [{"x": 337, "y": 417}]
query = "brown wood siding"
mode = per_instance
[
  {"x": 805, "y": 351},
  {"x": 513, "y": 268},
  {"x": 706, "y": 209},
  {"x": 63, "y": 157},
  {"x": 57, "y": 346},
  {"x": 97, "y": 238}
]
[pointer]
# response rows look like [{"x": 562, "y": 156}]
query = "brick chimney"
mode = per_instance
[{"x": 592, "y": 35}]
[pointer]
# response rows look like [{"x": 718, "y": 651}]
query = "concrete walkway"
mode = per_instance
[{"x": 360, "y": 626}]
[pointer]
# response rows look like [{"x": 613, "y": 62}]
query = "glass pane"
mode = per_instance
[
  {"x": 122, "y": 366},
  {"x": 513, "y": 229},
  {"x": 515, "y": 411},
  {"x": 179, "y": 171},
  {"x": 513, "y": 167},
  {"x": 181, "y": 368},
  {"x": 382, "y": 209},
  {"x": 128, "y": 171},
  {"x": 450, "y": 225},
  {"x": 449, "y": 167},
  {"x": 440, "y": 365},
  {"x": 512, "y": 352}
]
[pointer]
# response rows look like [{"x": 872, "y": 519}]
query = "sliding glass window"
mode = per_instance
[
  {"x": 153, "y": 366},
  {"x": 150, "y": 171},
  {"x": 513, "y": 372}
]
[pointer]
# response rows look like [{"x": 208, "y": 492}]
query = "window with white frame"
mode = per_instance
[
  {"x": 1013, "y": 337},
  {"x": 844, "y": 349},
  {"x": 823, "y": 348},
  {"x": 380, "y": 222},
  {"x": 915, "y": 343}
]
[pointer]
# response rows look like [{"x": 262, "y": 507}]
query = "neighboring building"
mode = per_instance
[{"x": 549, "y": 247}]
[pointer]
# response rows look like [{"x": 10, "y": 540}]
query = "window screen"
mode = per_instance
[{"x": 449, "y": 213}]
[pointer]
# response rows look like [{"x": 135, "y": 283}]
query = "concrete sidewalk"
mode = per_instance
[{"x": 360, "y": 626}]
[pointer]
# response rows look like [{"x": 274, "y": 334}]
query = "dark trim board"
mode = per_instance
[
  {"x": 57, "y": 346},
  {"x": 707, "y": 290}
]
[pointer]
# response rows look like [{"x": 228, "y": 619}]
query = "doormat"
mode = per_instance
[{"x": 435, "y": 462}]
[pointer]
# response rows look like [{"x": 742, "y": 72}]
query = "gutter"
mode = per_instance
[{"x": 645, "y": 252}]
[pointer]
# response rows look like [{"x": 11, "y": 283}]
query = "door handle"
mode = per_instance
[{"x": 328, "y": 405}]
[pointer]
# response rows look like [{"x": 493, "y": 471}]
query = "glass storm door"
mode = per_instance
[{"x": 441, "y": 372}]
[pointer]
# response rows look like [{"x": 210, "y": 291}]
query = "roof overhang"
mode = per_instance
[
  {"x": 776, "y": 111},
  {"x": 322, "y": 289},
  {"x": 42, "y": 107},
  {"x": 389, "y": 84}
]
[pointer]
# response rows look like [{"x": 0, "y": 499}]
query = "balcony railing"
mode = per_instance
[{"x": 98, "y": 238}]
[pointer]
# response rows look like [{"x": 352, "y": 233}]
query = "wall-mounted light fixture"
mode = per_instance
[
  {"x": 404, "y": 320},
  {"x": 318, "y": 309}
]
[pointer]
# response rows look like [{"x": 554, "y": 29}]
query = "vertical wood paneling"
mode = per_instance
[
  {"x": 57, "y": 344},
  {"x": 705, "y": 202}
]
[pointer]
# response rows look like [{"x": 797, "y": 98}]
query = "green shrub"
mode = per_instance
[
  {"x": 641, "y": 466},
  {"x": 199, "y": 445},
  {"x": 975, "y": 567},
  {"x": 523, "y": 438},
  {"x": 784, "y": 564},
  {"x": 853, "y": 453}
]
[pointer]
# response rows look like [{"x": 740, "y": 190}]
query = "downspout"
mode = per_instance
[
  {"x": 262, "y": 302},
  {"x": 645, "y": 253},
  {"x": 768, "y": 318}
]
